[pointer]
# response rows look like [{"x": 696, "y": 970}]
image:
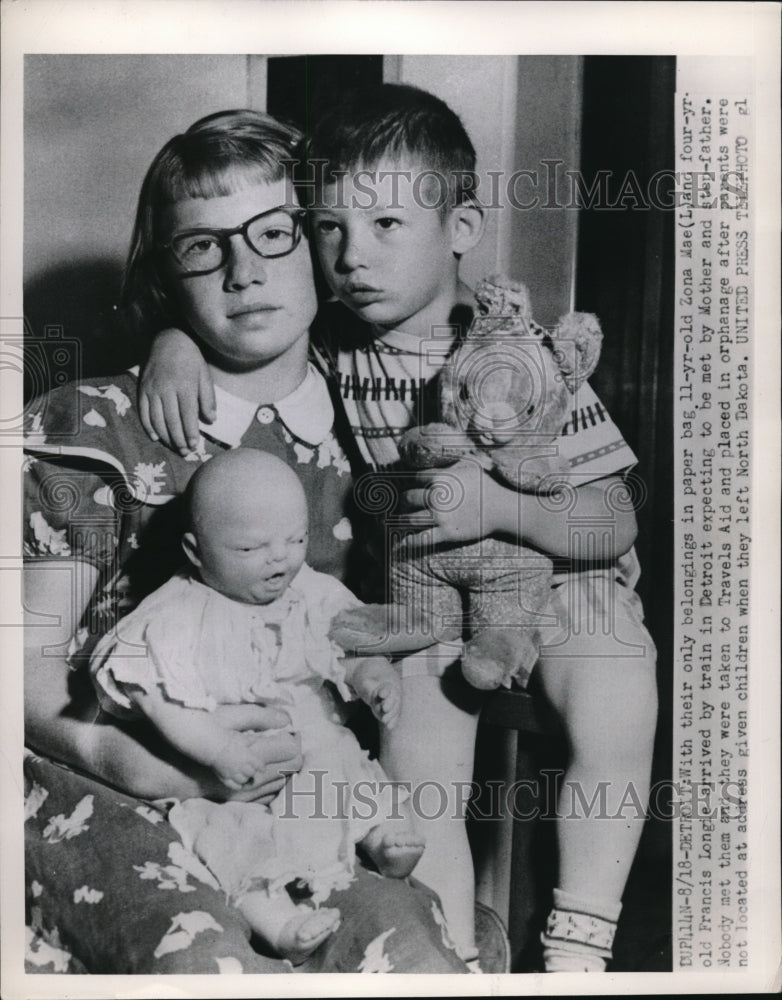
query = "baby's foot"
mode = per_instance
[
  {"x": 305, "y": 932},
  {"x": 396, "y": 852}
]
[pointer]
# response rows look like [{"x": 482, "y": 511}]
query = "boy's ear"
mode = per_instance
[
  {"x": 467, "y": 223},
  {"x": 190, "y": 545}
]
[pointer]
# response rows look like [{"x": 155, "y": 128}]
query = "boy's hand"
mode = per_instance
[
  {"x": 456, "y": 505},
  {"x": 175, "y": 387}
]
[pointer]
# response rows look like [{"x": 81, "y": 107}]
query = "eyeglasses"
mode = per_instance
[{"x": 275, "y": 233}]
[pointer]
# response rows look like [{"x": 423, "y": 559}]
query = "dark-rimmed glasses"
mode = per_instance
[{"x": 274, "y": 233}]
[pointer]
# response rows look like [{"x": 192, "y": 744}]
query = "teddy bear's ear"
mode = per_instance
[
  {"x": 503, "y": 308},
  {"x": 577, "y": 339}
]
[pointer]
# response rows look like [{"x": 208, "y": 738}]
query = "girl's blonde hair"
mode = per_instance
[{"x": 214, "y": 157}]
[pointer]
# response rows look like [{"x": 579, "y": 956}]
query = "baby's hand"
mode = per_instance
[
  {"x": 386, "y": 701},
  {"x": 237, "y": 763}
]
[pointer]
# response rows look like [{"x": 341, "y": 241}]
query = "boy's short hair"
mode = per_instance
[
  {"x": 391, "y": 120},
  {"x": 203, "y": 162}
]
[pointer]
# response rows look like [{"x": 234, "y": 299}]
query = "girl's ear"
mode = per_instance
[
  {"x": 467, "y": 223},
  {"x": 190, "y": 545}
]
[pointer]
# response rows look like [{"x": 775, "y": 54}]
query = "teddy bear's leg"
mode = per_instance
[
  {"x": 425, "y": 610},
  {"x": 506, "y": 613}
]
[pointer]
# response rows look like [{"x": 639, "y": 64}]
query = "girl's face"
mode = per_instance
[{"x": 252, "y": 310}]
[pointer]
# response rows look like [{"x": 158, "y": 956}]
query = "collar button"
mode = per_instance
[{"x": 265, "y": 415}]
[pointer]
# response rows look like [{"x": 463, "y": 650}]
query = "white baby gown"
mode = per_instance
[{"x": 278, "y": 655}]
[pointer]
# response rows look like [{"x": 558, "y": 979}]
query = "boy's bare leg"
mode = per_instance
[
  {"x": 433, "y": 745},
  {"x": 293, "y": 931},
  {"x": 606, "y": 697},
  {"x": 395, "y": 846}
]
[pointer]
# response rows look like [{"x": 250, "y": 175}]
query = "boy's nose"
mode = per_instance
[
  {"x": 351, "y": 252},
  {"x": 243, "y": 266}
]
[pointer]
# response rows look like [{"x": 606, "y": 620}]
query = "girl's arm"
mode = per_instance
[
  {"x": 175, "y": 387},
  {"x": 596, "y": 524},
  {"x": 64, "y": 721},
  {"x": 377, "y": 684}
]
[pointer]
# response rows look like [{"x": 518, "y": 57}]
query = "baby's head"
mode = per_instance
[{"x": 247, "y": 516}]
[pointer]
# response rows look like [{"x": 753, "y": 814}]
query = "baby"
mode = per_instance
[{"x": 249, "y": 623}]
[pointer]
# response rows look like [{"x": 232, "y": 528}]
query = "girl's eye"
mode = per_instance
[
  {"x": 196, "y": 248},
  {"x": 326, "y": 226},
  {"x": 274, "y": 235},
  {"x": 387, "y": 223}
]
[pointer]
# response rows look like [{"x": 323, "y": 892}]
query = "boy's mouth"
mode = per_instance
[{"x": 363, "y": 293}]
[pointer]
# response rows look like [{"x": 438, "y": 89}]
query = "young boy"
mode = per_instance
[{"x": 391, "y": 216}]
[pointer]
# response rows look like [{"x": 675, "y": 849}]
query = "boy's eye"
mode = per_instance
[
  {"x": 387, "y": 223},
  {"x": 326, "y": 226}
]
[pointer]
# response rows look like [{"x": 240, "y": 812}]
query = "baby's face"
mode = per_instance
[{"x": 254, "y": 555}]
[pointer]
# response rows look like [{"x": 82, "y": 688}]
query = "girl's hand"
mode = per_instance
[{"x": 175, "y": 387}]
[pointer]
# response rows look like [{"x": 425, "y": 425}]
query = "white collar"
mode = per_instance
[{"x": 307, "y": 413}]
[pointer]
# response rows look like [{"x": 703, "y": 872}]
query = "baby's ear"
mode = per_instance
[
  {"x": 190, "y": 545},
  {"x": 466, "y": 224}
]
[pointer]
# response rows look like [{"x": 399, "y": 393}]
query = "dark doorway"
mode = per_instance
[{"x": 301, "y": 87}]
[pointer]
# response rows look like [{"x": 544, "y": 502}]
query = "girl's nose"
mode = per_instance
[{"x": 243, "y": 266}]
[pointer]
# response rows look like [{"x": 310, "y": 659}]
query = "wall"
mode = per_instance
[
  {"x": 518, "y": 111},
  {"x": 91, "y": 127}
]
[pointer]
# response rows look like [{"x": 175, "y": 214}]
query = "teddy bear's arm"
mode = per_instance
[{"x": 426, "y": 609}]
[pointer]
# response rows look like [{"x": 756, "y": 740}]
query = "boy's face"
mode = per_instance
[
  {"x": 385, "y": 254},
  {"x": 253, "y": 309}
]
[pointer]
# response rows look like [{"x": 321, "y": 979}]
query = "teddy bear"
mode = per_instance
[{"x": 505, "y": 395}]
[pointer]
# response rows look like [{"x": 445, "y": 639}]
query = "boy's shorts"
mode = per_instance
[{"x": 592, "y": 615}]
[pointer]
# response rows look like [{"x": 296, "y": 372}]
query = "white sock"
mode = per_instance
[{"x": 579, "y": 933}]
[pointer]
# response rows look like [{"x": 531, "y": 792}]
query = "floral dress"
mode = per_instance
[{"x": 110, "y": 887}]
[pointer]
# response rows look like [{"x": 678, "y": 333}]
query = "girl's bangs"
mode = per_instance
[{"x": 215, "y": 180}]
